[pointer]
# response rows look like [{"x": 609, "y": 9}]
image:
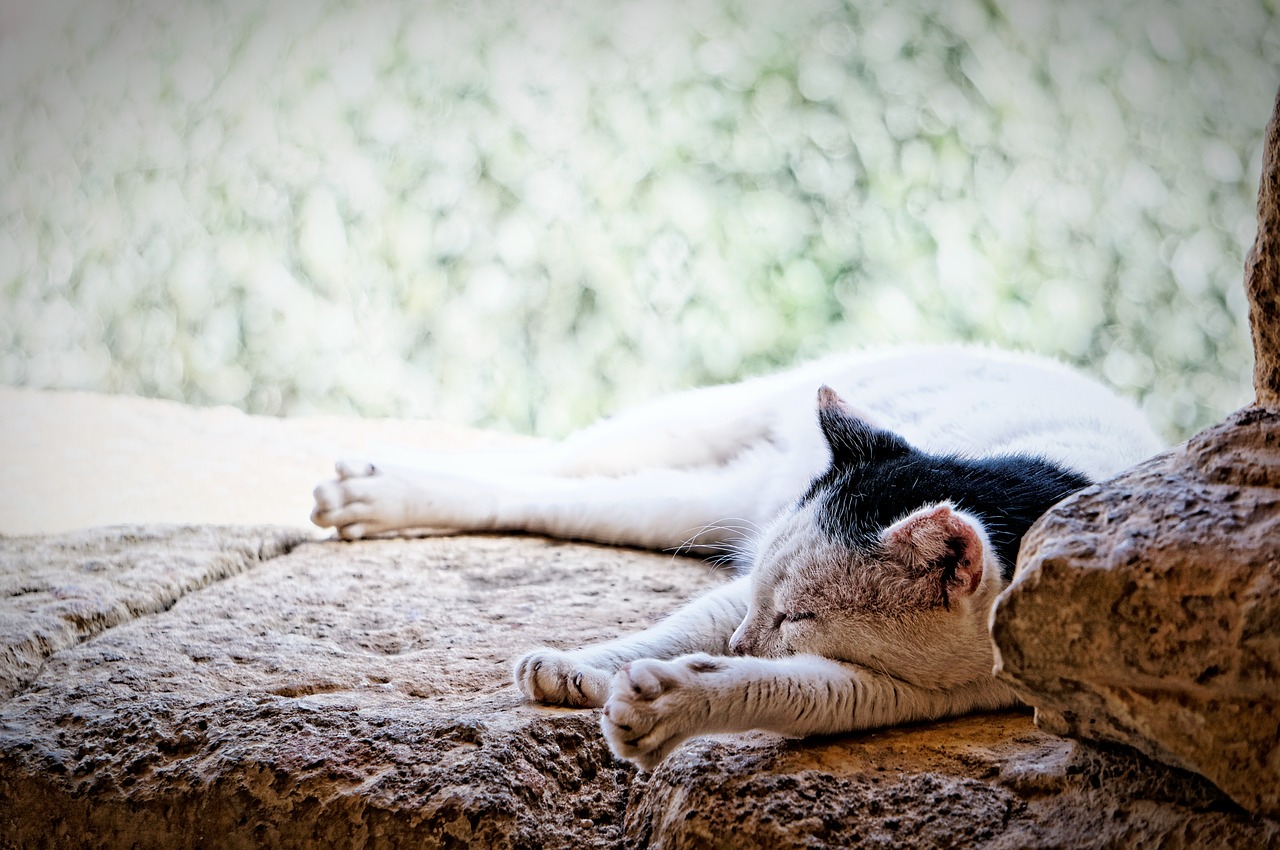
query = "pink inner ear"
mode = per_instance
[
  {"x": 935, "y": 535},
  {"x": 969, "y": 571}
]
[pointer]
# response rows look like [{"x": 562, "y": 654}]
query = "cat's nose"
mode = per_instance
[{"x": 740, "y": 644}]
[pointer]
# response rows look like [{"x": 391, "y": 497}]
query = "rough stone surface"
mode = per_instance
[
  {"x": 1147, "y": 611},
  {"x": 338, "y": 695},
  {"x": 358, "y": 695},
  {"x": 1262, "y": 273},
  {"x": 60, "y": 592},
  {"x": 991, "y": 781}
]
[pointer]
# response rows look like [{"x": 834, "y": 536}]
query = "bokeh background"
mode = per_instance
[{"x": 524, "y": 213}]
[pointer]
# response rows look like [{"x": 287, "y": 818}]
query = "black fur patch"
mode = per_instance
[{"x": 877, "y": 478}]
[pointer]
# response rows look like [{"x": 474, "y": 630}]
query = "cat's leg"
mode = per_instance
[
  {"x": 705, "y": 427},
  {"x": 534, "y": 458},
  {"x": 581, "y": 677},
  {"x": 678, "y": 453},
  {"x": 655, "y": 705},
  {"x": 702, "y": 509}
]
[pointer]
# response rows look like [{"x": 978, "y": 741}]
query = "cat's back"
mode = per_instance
[{"x": 980, "y": 401}]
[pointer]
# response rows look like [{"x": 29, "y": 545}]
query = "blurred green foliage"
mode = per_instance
[{"x": 528, "y": 213}]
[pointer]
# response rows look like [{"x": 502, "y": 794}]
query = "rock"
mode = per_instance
[
  {"x": 297, "y": 694},
  {"x": 334, "y": 695},
  {"x": 989, "y": 781},
  {"x": 61, "y": 592},
  {"x": 1262, "y": 273},
  {"x": 147, "y": 460},
  {"x": 1146, "y": 611}
]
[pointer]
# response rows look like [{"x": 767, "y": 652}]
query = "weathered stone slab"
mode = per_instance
[
  {"x": 339, "y": 695},
  {"x": 62, "y": 591},
  {"x": 991, "y": 781},
  {"x": 148, "y": 460},
  {"x": 358, "y": 695}
]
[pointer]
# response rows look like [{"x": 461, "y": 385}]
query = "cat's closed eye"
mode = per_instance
[{"x": 794, "y": 617}]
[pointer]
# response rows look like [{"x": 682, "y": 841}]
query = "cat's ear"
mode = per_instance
[
  {"x": 938, "y": 543},
  {"x": 851, "y": 437}
]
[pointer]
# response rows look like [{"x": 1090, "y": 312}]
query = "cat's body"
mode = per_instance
[{"x": 878, "y": 532}]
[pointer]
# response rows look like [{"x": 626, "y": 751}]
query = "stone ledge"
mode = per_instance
[
  {"x": 358, "y": 695},
  {"x": 65, "y": 590}
]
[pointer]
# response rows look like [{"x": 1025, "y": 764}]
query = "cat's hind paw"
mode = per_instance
[
  {"x": 368, "y": 499},
  {"x": 654, "y": 706},
  {"x": 360, "y": 502},
  {"x": 553, "y": 677}
]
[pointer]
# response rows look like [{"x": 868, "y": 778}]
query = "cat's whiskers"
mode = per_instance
[{"x": 733, "y": 551}]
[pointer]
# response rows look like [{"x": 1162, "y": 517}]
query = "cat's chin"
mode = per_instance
[{"x": 789, "y": 649}]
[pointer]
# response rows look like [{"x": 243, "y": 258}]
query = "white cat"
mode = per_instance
[{"x": 877, "y": 535}]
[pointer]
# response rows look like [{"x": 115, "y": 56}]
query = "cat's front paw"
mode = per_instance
[
  {"x": 654, "y": 706},
  {"x": 553, "y": 677}
]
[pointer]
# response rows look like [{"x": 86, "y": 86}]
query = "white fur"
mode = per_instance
[
  {"x": 657, "y": 704},
  {"x": 700, "y": 468},
  {"x": 720, "y": 466}
]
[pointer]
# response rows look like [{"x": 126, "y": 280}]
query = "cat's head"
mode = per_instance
[{"x": 875, "y": 564}]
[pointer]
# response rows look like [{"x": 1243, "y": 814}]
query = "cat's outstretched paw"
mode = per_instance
[
  {"x": 369, "y": 498},
  {"x": 556, "y": 678},
  {"x": 362, "y": 501},
  {"x": 654, "y": 706}
]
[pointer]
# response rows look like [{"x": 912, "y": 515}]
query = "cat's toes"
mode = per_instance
[
  {"x": 354, "y": 468},
  {"x": 555, "y": 678},
  {"x": 329, "y": 500},
  {"x": 652, "y": 707}
]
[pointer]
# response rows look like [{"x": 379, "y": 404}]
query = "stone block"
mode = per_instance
[
  {"x": 244, "y": 688},
  {"x": 1146, "y": 611}
]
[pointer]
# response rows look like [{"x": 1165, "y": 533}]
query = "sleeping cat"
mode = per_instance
[{"x": 876, "y": 535}]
